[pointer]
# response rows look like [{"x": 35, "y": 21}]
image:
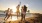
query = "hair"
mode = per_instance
[{"x": 25, "y": 8}]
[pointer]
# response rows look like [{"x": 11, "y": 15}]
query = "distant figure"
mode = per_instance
[
  {"x": 23, "y": 12},
  {"x": 7, "y": 12}
]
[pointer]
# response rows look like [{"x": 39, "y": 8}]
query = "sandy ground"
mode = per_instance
[{"x": 32, "y": 19}]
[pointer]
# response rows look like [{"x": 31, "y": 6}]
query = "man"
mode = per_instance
[
  {"x": 23, "y": 12},
  {"x": 10, "y": 14},
  {"x": 7, "y": 12}
]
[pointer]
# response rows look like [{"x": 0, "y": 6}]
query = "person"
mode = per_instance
[
  {"x": 11, "y": 13},
  {"x": 7, "y": 12},
  {"x": 23, "y": 12},
  {"x": 17, "y": 11}
]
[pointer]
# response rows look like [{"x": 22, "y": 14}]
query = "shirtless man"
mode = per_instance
[{"x": 7, "y": 13}]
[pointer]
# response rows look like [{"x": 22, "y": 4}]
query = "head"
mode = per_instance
[
  {"x": 8, "y": 8},
  {"x": 24, "y": 8}
]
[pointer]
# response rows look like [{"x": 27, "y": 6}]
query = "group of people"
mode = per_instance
[{"x": 23, "y": 12}]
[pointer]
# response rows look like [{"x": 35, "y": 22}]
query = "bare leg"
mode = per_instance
[
  {"x": 21, "y": 17},
  {"x": 6, "y": 16},
  {"x": 24, "y": 17},
  {"x": 17, "y": 15}
]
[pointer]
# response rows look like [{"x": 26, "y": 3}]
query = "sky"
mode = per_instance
[{"x": 35, "y": 6}]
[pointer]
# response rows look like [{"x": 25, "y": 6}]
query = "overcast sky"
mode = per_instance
[{"x": 35, "y": 6}]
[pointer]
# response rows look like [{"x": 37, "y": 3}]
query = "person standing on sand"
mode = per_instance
[{"x": 23, "y": 12}]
